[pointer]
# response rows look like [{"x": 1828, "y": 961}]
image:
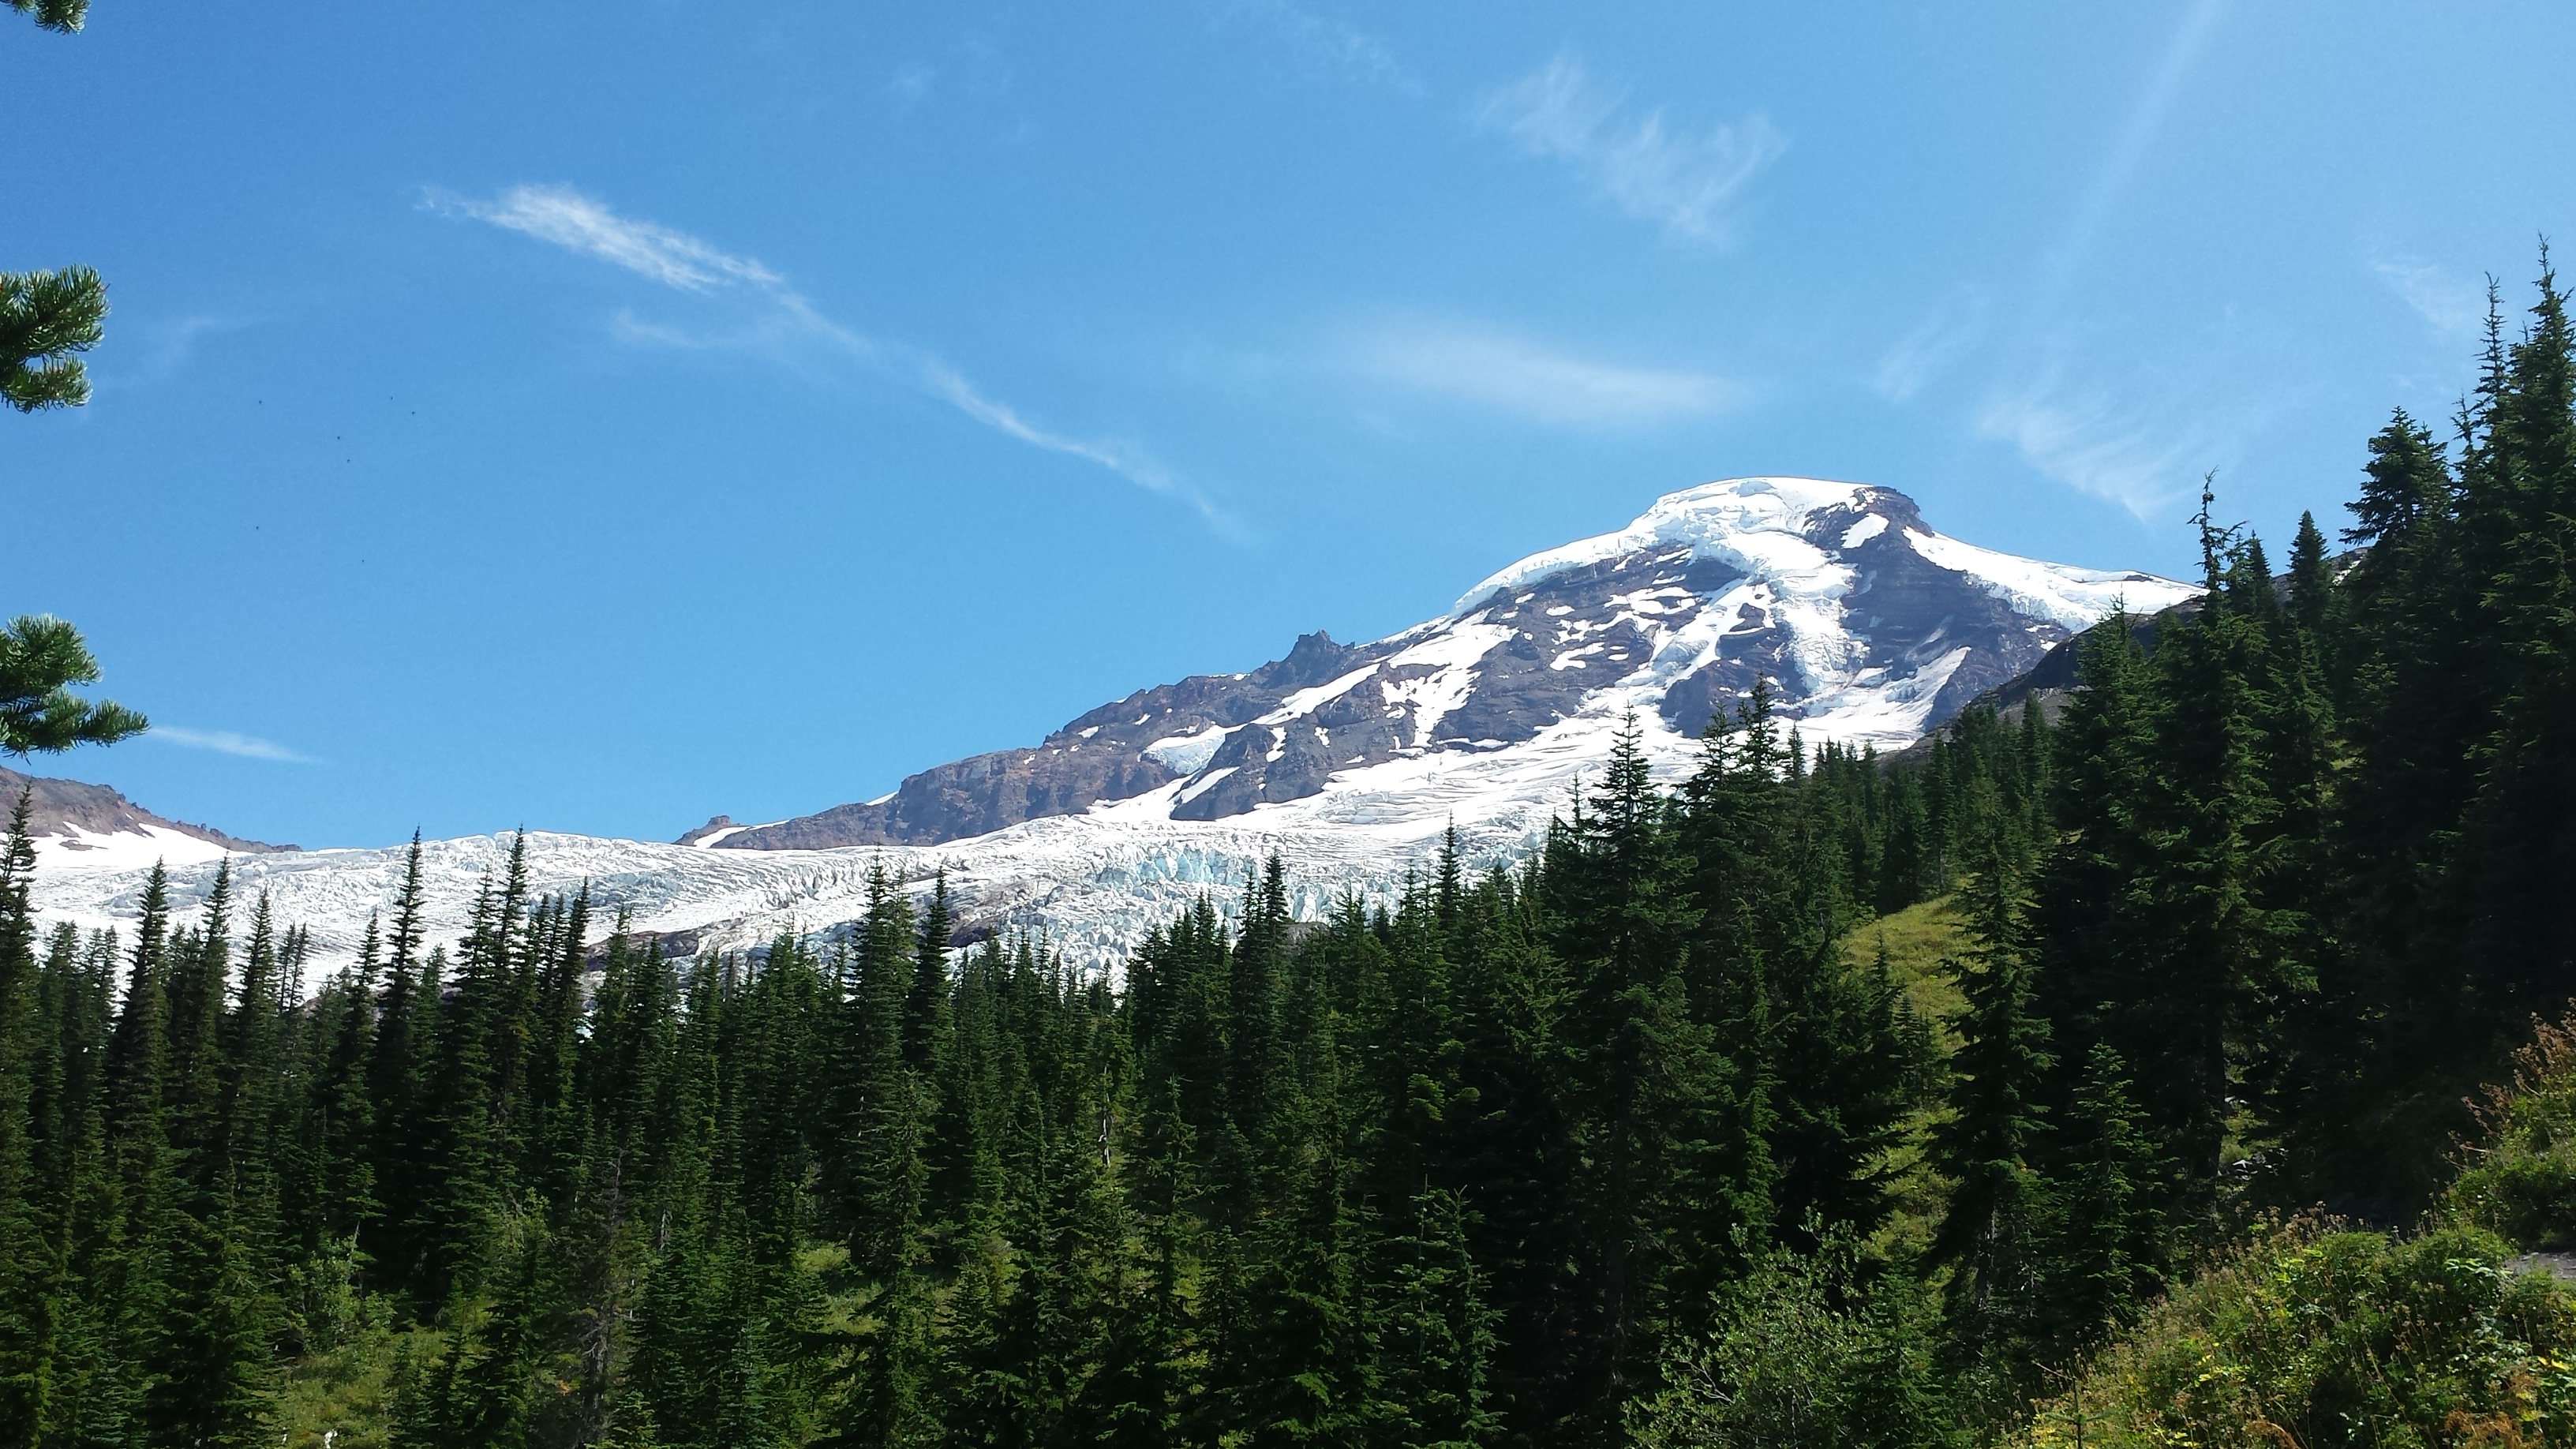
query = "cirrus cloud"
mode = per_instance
[
  {"x": 1534, "y": 381},
  {"x": 2139, "y": 459},
  {"x": 1684, "y": 181},
  {"x": 225, "y": 742},
  {"x": 2453, "y": 306},
  {"x": 774, "y": 319}
]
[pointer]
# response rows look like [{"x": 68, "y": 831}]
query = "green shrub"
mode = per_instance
[
  {"x": 2520, "y": 1181},
  {"x": 1807, "y": 1352},
  {"x": 2312, "y": 1336}
]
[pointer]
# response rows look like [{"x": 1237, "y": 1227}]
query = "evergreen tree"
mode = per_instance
[
  {"x": 925, "y": 1007},
  {"x": 26, "y": 1267},
  {"x": 1996, "y": 1211},
  {"x": 2105, "y": 1246},
  {"x": 40, "y": 659},
  {"x": 1435, "y": 1334},
  {"x": 397, "y": 1081}
]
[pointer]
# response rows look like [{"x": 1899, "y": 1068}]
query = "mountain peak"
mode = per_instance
[
  {"x": 1714, "y": 516},
  {"x": 1869, "y": 626},
  {"x": 1353, "y": 760}
]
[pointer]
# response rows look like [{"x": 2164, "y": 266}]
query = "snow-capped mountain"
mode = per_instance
[
  {"x": 1870, "y": 625},
  {"x": 109, "y": 831},
  {"x": 1350, "y": 759}
]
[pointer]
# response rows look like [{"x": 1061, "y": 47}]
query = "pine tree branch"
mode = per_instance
[
  {"x": 61, "y": 15},
  {"x": 45, "y": 318},
  {"x": 39, "y": 656}
]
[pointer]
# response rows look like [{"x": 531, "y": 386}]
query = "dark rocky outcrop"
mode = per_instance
[
  {"x": 714, "y": 824},
  {"x": 1098, "y": 756},
  {"x": 55, "y": 806}
]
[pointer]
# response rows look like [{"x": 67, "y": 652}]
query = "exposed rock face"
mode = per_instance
[
  {"x": 1112, "y": 753},
  {"x": 1868, "y": 626},
  {"x": 63, "y": 811},
  {"x": 715, "y": 824}
]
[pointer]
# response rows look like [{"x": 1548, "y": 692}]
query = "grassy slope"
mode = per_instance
[
  {"x": 2311, "y": 1335},
  {"x": 2305, "y": 1333},
  {"x": 1917, "y": 940}
]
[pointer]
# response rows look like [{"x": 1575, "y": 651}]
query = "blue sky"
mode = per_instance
[{"x": 598, "y": 417}]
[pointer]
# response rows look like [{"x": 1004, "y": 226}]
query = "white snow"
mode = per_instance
[
  {"x": 1880, "y": 712},
  {"x": 1450, "y": 654},
  {"x": 1713, "y": 519},
  {"x": 1186, "y": 754},
  {"x": 1203, "y": 784},
  {"x": 1573, "y": 658},
  {"x": 1097, "y": 881},
  {"x": 2071, "y": 598},
  {"x": 1305, "y": 701},
  {"x": 1453, "y": 647},
  {"x": 78, "y": 850}
]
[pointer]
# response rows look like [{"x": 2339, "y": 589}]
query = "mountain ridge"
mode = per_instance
[
  {"x": 70, "y": 815},
  {"x": 1353, "y": 761},
  {"x": 1791, "y": 573}
]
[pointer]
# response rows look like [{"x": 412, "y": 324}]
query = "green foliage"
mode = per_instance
[
  {"x": 48, "y": 318},
  {"x": 39, "y": 657},
  {"x": 1918, "y": 943},
  {"x": 62, "y": 15},
  {"x": 1805, "y": 1352},
  {"x": 2311, "y": 1335},
  {"x": 1992, "y": 1231},
  {"x": 2519, "y": 1179}
]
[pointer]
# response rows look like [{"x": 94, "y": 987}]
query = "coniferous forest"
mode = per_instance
[{"x": 1677, "y": 1133}]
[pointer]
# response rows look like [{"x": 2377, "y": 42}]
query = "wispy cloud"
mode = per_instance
[
  {"x": 177, "y": 341},
  {"x": 1936, "y": 345},
  {"x": 910, "y": 84},
  {"x": 1686, "y": 182},
  {"x": 2141, "y": 444},
  {"x": 1519, "y": 376},
  {"x": 775, "y": 320},
  {"x": 169, "y": 346},
  {"x": 2451, "y": 305},
  {"x": 1330, "y": 44},
  {"x": 225, "y": 742},
  {"x": 2083, "y": 438},
  {"x": 575, "y": 222},
  {"x": 1134, "y": 466},
  {"x": 2137, "y": 136}
]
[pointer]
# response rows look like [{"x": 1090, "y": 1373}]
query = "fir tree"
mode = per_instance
[
  {"x": 2105, "y": 1246},
  {"x": 27, "y": 1271},
  {"x": 41, "y": 656},
  {"x": 1988, "y": 1232},
  {"x": 48, "y": 318}
]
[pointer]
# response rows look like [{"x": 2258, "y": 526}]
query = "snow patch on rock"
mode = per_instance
[{"x": 1186, "y": 754}]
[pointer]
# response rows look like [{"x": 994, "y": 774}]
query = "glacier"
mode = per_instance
[{"x": 1870, "y": 626}]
